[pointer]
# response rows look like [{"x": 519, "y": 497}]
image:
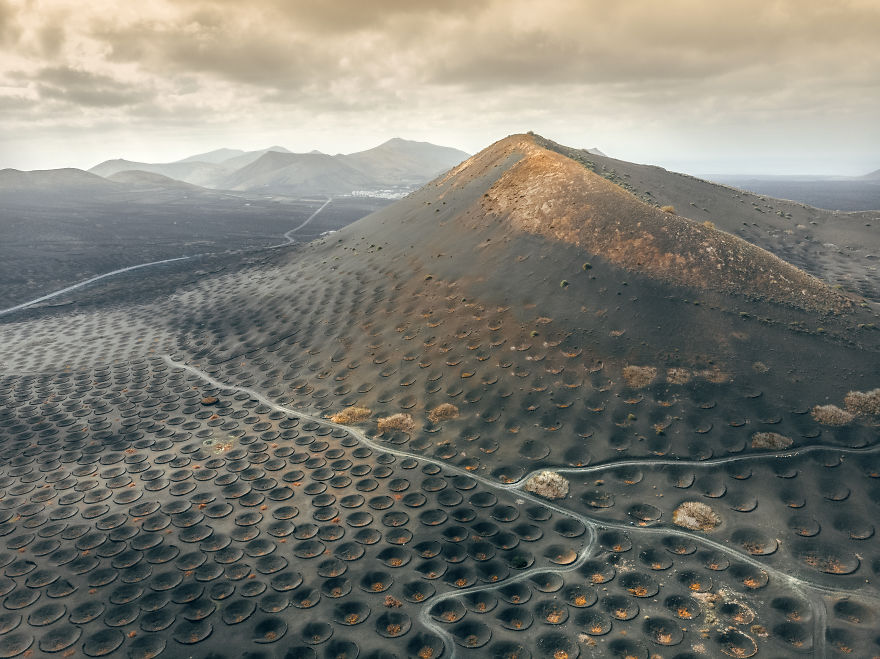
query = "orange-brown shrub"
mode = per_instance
[
  {"x": 443, "y": 411},
  {"x": 351, "y": 415},
  {"x": 863, "y": 403},
  {"x": 639, "y": 376},
  {"x": 696, "y": 516},
  {"x": 399, "y": 421},
  {"x": 771, "y": 440},
  {"x": 831, "y": 415}
]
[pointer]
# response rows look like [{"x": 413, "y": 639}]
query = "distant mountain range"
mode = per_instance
[{"x": 395, "y": 164}]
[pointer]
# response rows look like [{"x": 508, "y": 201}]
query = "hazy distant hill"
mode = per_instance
[
  {"x": 297, "y": 173},
  {"x": 397, "y": 163},
  {"x": 197, "y": 173},
  {"x": 245, "y": 158},
  {"x": 216, "y": 156},
  {"x": 142, "y": 179},
  {"x": 12, "y": 180}
]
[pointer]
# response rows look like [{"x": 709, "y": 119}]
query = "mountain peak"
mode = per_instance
[{"x": 535, "y": 186}]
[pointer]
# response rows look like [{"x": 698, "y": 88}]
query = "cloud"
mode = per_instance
[
  {"x": 468, "y": 63},
  {"x": 9, "y": 29},
  {"x": 254, "y": 57},
  {"x": 86, "y": 89},
  {"x": 343, "y": 17}
]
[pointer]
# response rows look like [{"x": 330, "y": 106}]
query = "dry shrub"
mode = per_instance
[
  {"x": 678, "y": 375},
  {"x": 547, "y": 484},
  {"x": 399, "y": 421},
  {"x": 695, "y": 516},
  {"x": 714, "y": 375},
  {"x": 831, "y": 415},
  {"x": 772, "y": 440},
  {"x": 392, "y": 602},
  {"x": 863, "y": 403},
  {"x": 639, "y": 376},
  {"x": 443, "y": 411},
  {"x": 668, "y": 209},
  {"x": 760, "y": 367},
  {"x": 351, "y": 415}
]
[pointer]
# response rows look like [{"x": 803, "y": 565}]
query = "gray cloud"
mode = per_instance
[
  {"x": 256, "y": 57},
  {"x": 466, "y": 71},
  {"x": 9, "y": 29},
  {"x": 83, "y": 88},
  {"x": 343, "y": 17},
  {"x": 289, "y": 46}
]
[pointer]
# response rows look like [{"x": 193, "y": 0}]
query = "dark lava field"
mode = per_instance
[{"x": 522, "y": 412}]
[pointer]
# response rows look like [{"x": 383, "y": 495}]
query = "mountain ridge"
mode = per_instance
[
  {"x": 394, "y": 163},
  {"x": 544, "y": 192}
]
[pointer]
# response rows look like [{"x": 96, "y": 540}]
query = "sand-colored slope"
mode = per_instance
[
  {"x": 838, "y": 248},
  {"x": 545, "y": 193}
]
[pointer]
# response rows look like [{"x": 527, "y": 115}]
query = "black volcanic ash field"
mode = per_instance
[{"x": 327, "y": 450}]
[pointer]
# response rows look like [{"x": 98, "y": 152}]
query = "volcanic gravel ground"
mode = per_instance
[{"x": 172, "y": 483}]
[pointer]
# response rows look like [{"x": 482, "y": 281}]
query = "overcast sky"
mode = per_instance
[{"x": 702, "y": 86}]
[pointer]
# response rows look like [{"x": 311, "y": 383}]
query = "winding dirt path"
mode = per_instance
[
  {"x": 811, "y": 592},
  {"x": 288, "y": 240},
  {"x": 288, "y": 235}
]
